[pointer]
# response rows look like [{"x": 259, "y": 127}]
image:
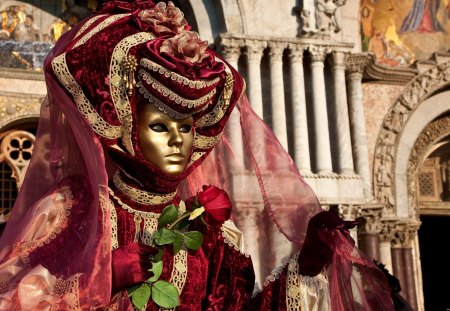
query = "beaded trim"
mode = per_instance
[
  {"x": 205, "y": 142},
  {"x": 141, "y": 196},
  {"x": 99, "y": 125},
  {"x": 156, "y": 85},
  {"x": 89, "y": 23},
  {"x": 198, "y": 84},
  {"x": 223, "y": 103},
  {"x": 117, "y": 86},
  {"x": 99, "y": 28},
  {"x": 159, "y": 104}
]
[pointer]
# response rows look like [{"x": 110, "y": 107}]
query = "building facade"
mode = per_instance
[{"x": 357, "y": 92}]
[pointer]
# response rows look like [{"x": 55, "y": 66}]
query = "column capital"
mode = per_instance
[
  {"x": 318, "y": 53},
  {"x": 403, "y": 234},
  {"x": 254, "y": 49},
  {"x": 339, "y": 59},
  {"x": 276, "y": 50},
  {"x": 370, "y": 219},
  {"x": 296, "y": 52},
  {"x": 231, "y": 52},
  {"x": 356, "y": 64},
  {"x": 348, "y": 211}
]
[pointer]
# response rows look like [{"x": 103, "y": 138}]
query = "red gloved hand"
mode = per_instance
[
  {"x": 130, "y": 264},
  {"x": 317, "y": 250}
]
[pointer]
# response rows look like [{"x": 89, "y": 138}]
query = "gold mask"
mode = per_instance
[{"x": 165, "y": 142}]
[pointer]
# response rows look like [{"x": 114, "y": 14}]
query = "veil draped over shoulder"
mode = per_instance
[{"x": 56, "y": 248}]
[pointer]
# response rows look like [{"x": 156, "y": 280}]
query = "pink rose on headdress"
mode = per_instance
[
  {"x": 186, "y": 46},
  {"x": 165, "y": 18}
]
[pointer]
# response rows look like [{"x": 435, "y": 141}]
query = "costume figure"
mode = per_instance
[{"x": 132, "y": 130}]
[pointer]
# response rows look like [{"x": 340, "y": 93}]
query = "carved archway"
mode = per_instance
[
  {"x": 431, "y": 135},
  {"x": 386, "y": 153}
]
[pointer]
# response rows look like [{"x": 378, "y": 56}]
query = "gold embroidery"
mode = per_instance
[
  {"x": 293, "y": 289},
  {"x": 199, "y": 84},
  {"x": 108, "y": 21},
  {"x": 179, "y": 272},
  {"x": 159, "y": 104},
  {"x": 89, "y": 23},
  {"x": 129, "y": 209},
  {"x": 118, "y": 88},
  {"x": 205, "y": 142},
  {"x": 150, "y": 227},
  {"x": 155, "y": 84},
  {"x": 141, "y": 196},
  {"x": 114, "y": 237},
  {"x": 223, "y": 103},
  {"x": 195, "y": 156},
  {"x": 99, "y": 125}
]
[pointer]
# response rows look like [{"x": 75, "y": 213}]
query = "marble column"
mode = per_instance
[
  {"x": 277, "y": 93},
  {"x": 341, "y": 119},
  {"x": 231, "y": 54},
  {"x": 254, "y": 52},
  {"x": 299, "y": 114},
  {"x": 385, "y": 245},
  {"x": 321, "y": 133},
  {"x": 409, "y": 276},
  {"x": 369, "y": 230},
  {"x": 355, "y": 67}
]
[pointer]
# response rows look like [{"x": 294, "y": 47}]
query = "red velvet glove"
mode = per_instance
[
  {"x": 322, "y": 232},
  {"x": 130, "y": 264}
]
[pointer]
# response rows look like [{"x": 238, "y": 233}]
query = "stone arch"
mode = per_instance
[
  {"x": 428, "y": 138},
  {"x": 418, "y": 105}
]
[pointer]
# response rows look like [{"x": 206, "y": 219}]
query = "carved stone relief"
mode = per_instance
[
  {"x": 12, "y": 108},
  {"x": 432, "y": 134},
  {"x": 417, "y": 91}
]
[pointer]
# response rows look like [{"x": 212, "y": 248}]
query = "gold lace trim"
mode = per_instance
[
  {"x": 108, "y": 21},
  {"x": 205, "y": 142},
  {"x": 223, "y": 103},
  {"x": 99, "y": 125},
  {"x": 195, "y": 156},
  {"x": 179, "y": 271},
  {"x": 89, "y": 23},
  {"x": 141, "y": 196},
  {"x": 159, "y": 104},
  {"x": 155, "y": 84},
  {"x": 233, "y": 236},
  {"x": 198, "y": 84},
  {"x": 293, "y": 286},
  {"x": 117, "y": 86},
  {"x": 114, "y": 236},
  {"x": 65, "y": 195}
]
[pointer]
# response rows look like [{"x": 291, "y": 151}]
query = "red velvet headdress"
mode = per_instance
[{"x": 146, "y": 54}]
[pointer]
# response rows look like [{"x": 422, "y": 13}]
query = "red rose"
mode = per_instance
[{"x": 216, "y": 202}]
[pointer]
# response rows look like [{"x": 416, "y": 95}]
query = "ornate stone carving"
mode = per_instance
[
  {"x": 16, "y": 148},
  {"x": 370, "y": 219},
  {"x": 403, "y": 234},
  {"x": 15, "y": 107},
  {"x": 318, "y": 53},
  {"x": 296, "y": 52},
  {"x": 276, "y": 51},
  {"x": 432, "y": 134},
  {"x": 326, "y": 16},
  {"x": 417, "y": 91},
  {"x": 348, "y": 211},
  {"x": 254, "y": 49}
]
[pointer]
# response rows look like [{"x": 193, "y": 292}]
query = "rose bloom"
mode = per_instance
[
  {"x": 186, "y": 46},
  {"x": 165, "y": 18},
  {"x": 216, "y": 202}
]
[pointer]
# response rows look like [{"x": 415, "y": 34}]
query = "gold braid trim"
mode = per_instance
[
  {"x": 141, "y": 196},
  {"x": 89, "y": 23},
  {"x": 114, "y": 236},
  {"x": 205, "y": 142},
  {"x": 118, "y": 88},
  {"x": 165, "y": 91},
  {"x": 223, "y": 103},
  {"x": 195, "y": 156},
  {"x": 198, "y": 84},
  {"x": 108, "y": 21},
  {"x": 99, "y": 125}
]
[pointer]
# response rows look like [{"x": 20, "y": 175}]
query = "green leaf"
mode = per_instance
[
  {"x": 193, "y": 239},
  {"x": 141, "y": 296},
  {"x": 157, "y": 268},
  {"x": 164, "y": 236},
  {"x": 165, "y": 295},
  {"x": 178, "y": 243},
  {"x": 183, "y": 224},
  {"x": 132, "y": 290},
  {"x": 158, "y": 256},
  {"x": 168, "y": 215}
]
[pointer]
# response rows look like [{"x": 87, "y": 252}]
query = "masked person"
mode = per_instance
[{"x": 127, "y": 197}]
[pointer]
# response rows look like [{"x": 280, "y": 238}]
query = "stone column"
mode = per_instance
[
  {"x": 385, "y": 245},
  {"x": 349, "y": 212},
  {"x": 355, "y": 67},
  {"x": 277, "y": 92},
  {"x": 321, "y": 133},
  {"x": 299, "y": 119},
  {"x": 369, "y": 230},
  {"x": 231, "y": 54},
  {"x": 254, "y": 52},
  {"x": 341, "y": 121}
]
